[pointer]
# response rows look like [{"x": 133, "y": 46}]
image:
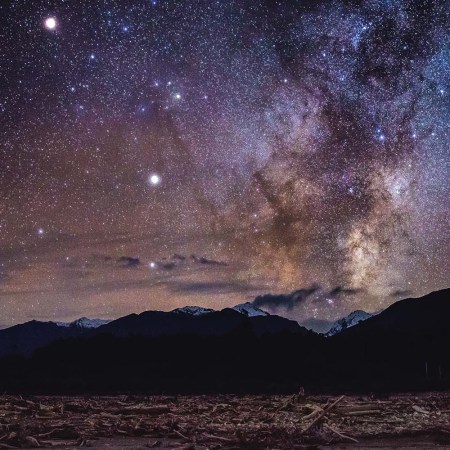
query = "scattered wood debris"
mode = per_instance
[{"x": 220, "y": 421}]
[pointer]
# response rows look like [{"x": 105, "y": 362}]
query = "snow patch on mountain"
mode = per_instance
[
  {"x": 349, "y": 321},
  {"x": 83, "y": 322},
  {"x": 193, "y": 310},
  {"x": 249, "y": 310}
]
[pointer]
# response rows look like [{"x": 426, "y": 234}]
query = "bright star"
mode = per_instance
[
  {"x": 152, "y": 265},
  {"x": 40, "y": 231},
  {"x": 154, "y": 179},
  {"x": 381, "y": 138},
  {"x": 50, "y": 23},
  {"x": 177, "y": 96}
]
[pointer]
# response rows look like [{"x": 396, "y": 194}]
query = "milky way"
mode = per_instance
[{"x": 162, "y": 153}]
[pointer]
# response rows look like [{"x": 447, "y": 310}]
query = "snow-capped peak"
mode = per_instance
[
  {"x": 193, "y": 310},
  {"x": 349, "y": 321},
  {"x": 83, "y": 322},
  {"x": 249, "y": 310}
]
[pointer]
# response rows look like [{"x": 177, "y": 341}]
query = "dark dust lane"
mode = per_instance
[{"x": 226, "y": 421}]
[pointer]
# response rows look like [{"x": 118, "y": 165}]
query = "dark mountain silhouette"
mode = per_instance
[
  {"x": 317, "y": 325},
  {"x": 27, "y": 337},
  {"x": 430, "y": 313},
  {"x": 403, "y": 348},
  {"x": 406, "y": 345},
  {"x": 216, "y": 323}
]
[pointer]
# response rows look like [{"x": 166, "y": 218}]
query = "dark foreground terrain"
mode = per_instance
[{"x": 226, "y": 421}]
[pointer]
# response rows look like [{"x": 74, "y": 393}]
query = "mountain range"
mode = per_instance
[
  {"x": 27, "y": 337},
  {"x": 189, "y": 320},
  {"x": 240, "y": 349}
]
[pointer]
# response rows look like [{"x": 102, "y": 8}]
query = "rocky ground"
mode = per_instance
[{"x": 226, "y": 421}]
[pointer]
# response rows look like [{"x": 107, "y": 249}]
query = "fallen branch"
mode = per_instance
[
  {"x": 158, "y": 409},
  {"x": 343, "y": 436},
  {"x": 420, "y": 410},
  {"x": 322, "y": 414},
  {"x": 316, "y": 410},
  {"x": 218, "y": 438},
  {"x": 181, "y": 435},
  {"x": 32, "y": 441},
  {"x": 366, "y": 412}
]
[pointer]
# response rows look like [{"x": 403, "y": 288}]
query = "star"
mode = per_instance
[
  {"x": 154, "y": 179},
  {"x": 50, "y": 23}
]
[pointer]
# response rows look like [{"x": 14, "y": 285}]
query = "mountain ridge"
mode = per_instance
[
  {"x": 403, "y": 348},
  {"x": 193, "y": 320},
  {"x": 348, "y": 321}
]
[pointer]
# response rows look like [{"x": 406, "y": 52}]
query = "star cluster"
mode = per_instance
[{"x": 295, "y": 144}]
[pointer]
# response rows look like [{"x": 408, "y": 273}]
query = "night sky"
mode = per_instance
[{"x": 161, "y": 153}]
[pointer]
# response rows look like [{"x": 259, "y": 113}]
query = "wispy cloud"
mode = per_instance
[{"x": 287, "y": 301}]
